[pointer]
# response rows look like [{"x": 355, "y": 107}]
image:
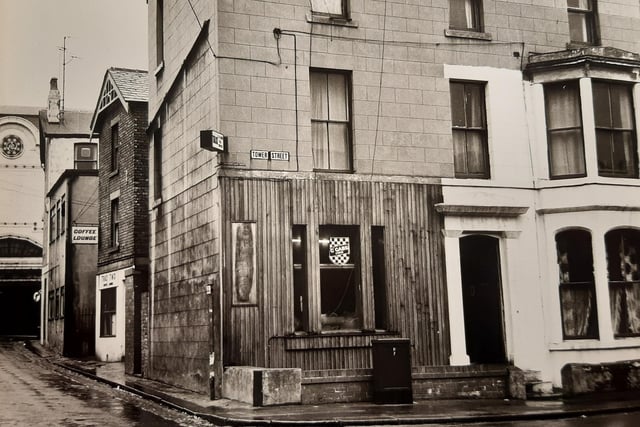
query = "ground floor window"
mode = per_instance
[
  {"x": 108, "y": 312},
  {"x": 623, "y": 249},
  {"x": 577, "y": 285},
  {"x": 51, "y": 305},
  {"x": 339, "y": 277},
  {"x": 300, "y": 293}
]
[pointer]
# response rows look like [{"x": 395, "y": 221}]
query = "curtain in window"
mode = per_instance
[
  {"x": 461, "y": 14},
  {"x": 330, "y": 120},
  {"x": 577, "y": 288},
  {"x": 580, "y": 21},
  {"x": 564, "y": 125},
  {"x": 615, "y": 127},
  {"x": 331, "y": 7},
  {"x": 623, "y": 263}
]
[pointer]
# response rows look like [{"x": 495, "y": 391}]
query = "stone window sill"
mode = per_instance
[
  {"x": 466, "y": 34},
  {"x": 331, "y": 20}
]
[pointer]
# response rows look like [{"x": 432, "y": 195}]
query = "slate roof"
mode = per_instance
[
  {"x": 122, "y": 84},
  {"x": 132, "y": 84},
  {"x": 75, "y": 124}
]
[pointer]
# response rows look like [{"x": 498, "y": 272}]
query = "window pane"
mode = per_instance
[
  {"x": 460, "y": 151},
  {"x": 338, "y": 96},
  {"x": 320, "y": 138},
  {"x": 602, "y": 104},
  {"x": 579, "y": 4},
  {"x": 379, "y": 276},
  {"x": 339, "y": 277},
  {"x": 566, "y": 153},
  {"x": 332, "y": 7},
  {"x": 563, "y": 105},
  {"x": 578, "y": 30},
  {"x": 474, "y": 99},
  {"x": 298, "y": 242},
  {"x": 621, "y": 107},
  {"x": 338, "y": 146},
  {"x": 475, "y": 153},
  {"x": 578, "y": 305},
  {"x": 622, "y": 155},
  {"x": 319, "y": 105},
  {"x": 462, "y": 14},
  {"x": 457, "y": 105}
]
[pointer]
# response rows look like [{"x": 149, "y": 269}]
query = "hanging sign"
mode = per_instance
[
  {"x": 213, "y": 141},
  {"x": 339, "y": 250},
  {"x": 84, "y": 235}
]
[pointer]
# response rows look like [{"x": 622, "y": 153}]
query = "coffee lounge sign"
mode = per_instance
[{"x": 84, "y": 235}]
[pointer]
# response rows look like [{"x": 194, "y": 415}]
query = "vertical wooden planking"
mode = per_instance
[{"x": 416, "y": 293}]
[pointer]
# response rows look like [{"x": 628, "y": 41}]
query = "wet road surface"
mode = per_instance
[{"x": 36, "y": 393}]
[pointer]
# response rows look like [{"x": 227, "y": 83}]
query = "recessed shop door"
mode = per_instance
[{"x": 482, "y": 299}]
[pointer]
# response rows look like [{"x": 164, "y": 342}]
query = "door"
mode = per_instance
[{"x": 482, "y": 299}]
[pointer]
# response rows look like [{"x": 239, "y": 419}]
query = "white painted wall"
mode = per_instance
[{"x": 111, "y": 349}]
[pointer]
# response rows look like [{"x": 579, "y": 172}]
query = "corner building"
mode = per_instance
[{"x": 391, "y": 170}]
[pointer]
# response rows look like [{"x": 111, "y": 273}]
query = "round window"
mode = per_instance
[{"x": 12, "y": 147}]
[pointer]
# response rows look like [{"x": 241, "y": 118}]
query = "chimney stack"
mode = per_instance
[{"x": 53, "y": 106}]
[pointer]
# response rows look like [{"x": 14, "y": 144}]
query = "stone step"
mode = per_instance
[{"x": 538, "y": 390}]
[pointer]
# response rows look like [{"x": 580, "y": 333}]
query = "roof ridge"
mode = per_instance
[{"x": 127, "y": 69}]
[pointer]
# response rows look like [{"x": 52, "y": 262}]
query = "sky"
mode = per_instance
[{"x": 101, "y": 34}]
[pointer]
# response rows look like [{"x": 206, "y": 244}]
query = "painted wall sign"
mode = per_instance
[
  {"x": 108, "y": 280},
  {"x": 84, "y": 235}
]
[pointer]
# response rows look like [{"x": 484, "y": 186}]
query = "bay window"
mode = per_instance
[
  {"x": 577, "y": 286},
  {"x": 615, "y": 129},
  {"x": 623, "y": 250}
]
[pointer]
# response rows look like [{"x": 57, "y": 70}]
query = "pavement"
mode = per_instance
[{"x": 421, "y": 412}]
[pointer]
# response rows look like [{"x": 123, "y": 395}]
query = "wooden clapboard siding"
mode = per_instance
[{"x": 416, "y": 293}]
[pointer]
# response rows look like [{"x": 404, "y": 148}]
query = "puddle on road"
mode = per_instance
[{"x": 94, "y": 398}]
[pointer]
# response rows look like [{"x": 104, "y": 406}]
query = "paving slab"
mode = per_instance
[{"x": 451, "y": 411}]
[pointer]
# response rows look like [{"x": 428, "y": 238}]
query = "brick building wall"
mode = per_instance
[{"x": 131, "y": 181}]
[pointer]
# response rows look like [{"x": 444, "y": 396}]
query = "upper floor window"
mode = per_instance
[
  {"x": 582, "y": 21},
  {"x": 85, "y": 156},
  {"x": 330, "y": 119},
  {"x": 159, "y": 32},
  {"x": 469, "y": 128},
  {"x": 115, "y": 222},
  {"x": 157, "y": 163},
  {"x": 564, "y": 130},
  {"x": 336, "y": 8},
  {"x": 615, "y": 129},
  {"x": 577, "y": 286},
  {"x": 465, "y": 15},
  {"x": 115, "y": 147}
]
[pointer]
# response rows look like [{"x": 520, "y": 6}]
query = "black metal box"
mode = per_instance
[{"x": 392, "y": 370}]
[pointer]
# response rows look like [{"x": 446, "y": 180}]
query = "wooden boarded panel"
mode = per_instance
[{"x": 416, "y": 291}]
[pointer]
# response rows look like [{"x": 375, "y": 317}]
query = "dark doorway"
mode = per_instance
[{"x": 482, "y": 299}]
